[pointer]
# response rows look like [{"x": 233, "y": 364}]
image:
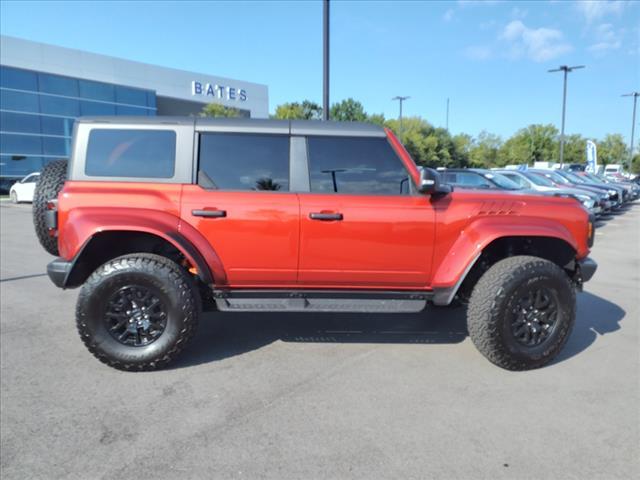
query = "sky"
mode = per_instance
[{"x": 489, "y": 58}]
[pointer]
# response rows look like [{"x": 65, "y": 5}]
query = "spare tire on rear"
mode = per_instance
[{"x": 51, "y": 180}]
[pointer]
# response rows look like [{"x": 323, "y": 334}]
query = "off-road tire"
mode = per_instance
[
  {"x": 493, "y": 302},
  {"x": 173, "y": 285},
  {"x": 50, "y": 183}
]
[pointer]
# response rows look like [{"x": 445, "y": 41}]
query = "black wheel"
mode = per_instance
[
  {"x": 14, "y": 197},
  {"x": 521, "y": 312},
  {"x": 50, "y": 183},
  {"x": 137, "y": 312}
]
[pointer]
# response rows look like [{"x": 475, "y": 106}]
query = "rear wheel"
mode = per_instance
[
  {"x": 521, "y": 312},
  {"x": 50, "y": 183},
  {"x": 137, "y": 312},
  {"x": 14, "y": 196}
]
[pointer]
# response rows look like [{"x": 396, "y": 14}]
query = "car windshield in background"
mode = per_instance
[
  {"x": 539, "y": 180},
  {"x": 502, "y": 181}
]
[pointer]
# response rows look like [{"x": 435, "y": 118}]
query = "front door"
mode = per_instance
[
  {"x": 243, "y": 206},
  {"x": 363, "y": 225}
]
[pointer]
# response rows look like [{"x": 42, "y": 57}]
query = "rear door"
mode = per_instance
[
  {"x": 243, "y": 205},
  {"x": 362, "y": 224}
]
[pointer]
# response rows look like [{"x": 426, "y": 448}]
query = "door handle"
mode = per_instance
[
  {"x": 325, "y": 216},
  {"x": 209, "y": 213}
]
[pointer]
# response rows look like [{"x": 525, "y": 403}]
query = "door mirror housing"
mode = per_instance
[{"x": 430, "y": 183}]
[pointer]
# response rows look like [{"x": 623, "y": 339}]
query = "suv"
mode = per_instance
[{"x": 159, "y": 218}]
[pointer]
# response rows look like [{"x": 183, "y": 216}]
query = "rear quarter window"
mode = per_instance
[{"x": 131, "y": 153}]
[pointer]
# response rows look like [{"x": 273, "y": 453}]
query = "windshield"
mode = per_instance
[
  {"x": 539, "y": 180},
  {"x": 571, "y": 176},
  {"x": 594, "y": 177},
  {"x": 502, "y": 181}
]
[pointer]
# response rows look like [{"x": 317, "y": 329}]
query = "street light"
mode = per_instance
[
  {"x": 565, "y": 69},
  {"x": 325, "y": 60},
  {"x": 400, "y": 99},
  {"x": 635, "y": 96}
]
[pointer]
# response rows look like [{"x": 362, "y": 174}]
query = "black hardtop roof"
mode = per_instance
[{"x": 255, "y": 125}]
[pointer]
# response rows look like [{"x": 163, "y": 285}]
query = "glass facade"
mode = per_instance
[{"x": 37, "y": 111}]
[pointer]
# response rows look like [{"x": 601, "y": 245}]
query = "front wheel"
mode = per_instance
[
  {"x": 14, "y": 196},
  {"x": 137, "y": 312},
  {"x": 521, "y": 312}
]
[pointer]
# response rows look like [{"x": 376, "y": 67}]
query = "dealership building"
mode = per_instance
[{"x": 44, "y": 88}]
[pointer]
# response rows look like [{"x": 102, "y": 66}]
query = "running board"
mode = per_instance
[{"x": 320, "y": 301}]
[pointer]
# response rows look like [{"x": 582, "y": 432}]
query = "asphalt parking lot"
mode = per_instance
[{"x": 319, "y": 396}]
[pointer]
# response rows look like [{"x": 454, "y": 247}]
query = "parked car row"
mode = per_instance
[{"x": 596, "y": 193}]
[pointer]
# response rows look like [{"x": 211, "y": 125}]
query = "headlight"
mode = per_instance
[
  {"x": 588, "y": 203},
  {"x": 612, "y": 192}
]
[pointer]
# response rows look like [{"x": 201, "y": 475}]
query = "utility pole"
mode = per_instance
[
  {"x": 447, "y": 114},
  {"x": 566, "y": 70},
  {"x": 400, "y": 99},
  {"x": 325, "y": 59},
  {"x": 635, "y": 96}
]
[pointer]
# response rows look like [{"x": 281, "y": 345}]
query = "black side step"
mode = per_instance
[{"x": 321, "y": 301}]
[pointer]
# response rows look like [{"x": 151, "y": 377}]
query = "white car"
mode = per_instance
[{"x": 23, "y": 190}]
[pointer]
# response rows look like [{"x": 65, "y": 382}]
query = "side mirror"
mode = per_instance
[{"x": 430, "y": 183}]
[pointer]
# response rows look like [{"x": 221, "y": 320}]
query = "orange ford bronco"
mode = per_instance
[{"x": 159, "y": 218}]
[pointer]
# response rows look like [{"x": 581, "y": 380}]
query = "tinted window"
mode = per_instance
[
  {"x": 16, "y": 122},
  {"x": 125, "y": 110},
  {"x": 517, "y": 179},
  {"x": 22, "y": 102},
  {"x": 19, "y": 79},
  {"x": 132, "y": 96},
  {"x": 466, "y": 179},
  {"x": 58, "y": 85},
  {"x": 97, "y": 90},
  {"x": 96, "y": 108},
  {"x": 231, "y": 161},
  {"x": 55, "y": 146},
  {"x": 20, "y": 144},
  {"x": 59, "y": 106},
  {"x": 355, "y": 165},
  {"x": 131, "y": 153},
  {"x": 57, "y": 125}
]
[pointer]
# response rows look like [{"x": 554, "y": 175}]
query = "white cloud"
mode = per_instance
[
  {"x": 538, "y": 44},
  {"x": 593, "y": 10},
  {"x": 606, "y": 39},
  {"x": 448, "y": 15},
  {"x": 478, "y": 52}
]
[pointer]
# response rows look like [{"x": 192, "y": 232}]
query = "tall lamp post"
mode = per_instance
[
  {"x": 635, "y": 96},
  {"x": 325, "y": 59},
  {"x": 400, "y": 99},
  {"x": 565, "y": 69}
]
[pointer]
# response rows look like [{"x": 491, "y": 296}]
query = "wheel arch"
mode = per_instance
[
  {"x": 553, "y": 248},
  {"x": 106, "y": 245}
]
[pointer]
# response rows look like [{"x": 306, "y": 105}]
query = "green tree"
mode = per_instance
[
  {"x": 535, "y": 143},
  {"x": 612, "y": 149},
  {"x": 429, "y": 146},
  {"x": 306, "y": 110},
  {"x": 575, "y": 149},
  {"x": 217, "y": 110},
  {"x": 484, "y": 150},
  {"x": 348, "y": 110},
  {"x": 377, "y": 118},
  {"x": 635, "y": 164}
]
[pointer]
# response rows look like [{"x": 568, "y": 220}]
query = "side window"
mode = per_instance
[
  {"x": 356, "y": 165},
  {"x": 517, "y": 179},
  {"x": 473, "y": 180},
  {"x": 131, "y": 153},
  {"x": 242, "y": 161}
]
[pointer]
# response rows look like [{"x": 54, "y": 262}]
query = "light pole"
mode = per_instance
[
  {"x": 400, "y": 99},
  {"x": 635, "y": 96},
  {"x": 566, "y": 70},
  {"x": 325, "y": 59}
]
